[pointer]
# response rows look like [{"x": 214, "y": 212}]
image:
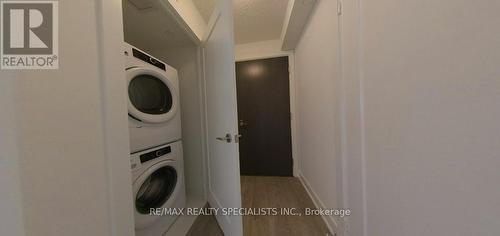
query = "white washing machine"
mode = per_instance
[
  {"x": 158, "y": 183},
  {"x": 154, "y": 103}
]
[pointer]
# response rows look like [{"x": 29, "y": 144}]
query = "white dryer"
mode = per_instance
[
  {"x": 153, "y": 100},
  {"x": 158, "y": 183}
]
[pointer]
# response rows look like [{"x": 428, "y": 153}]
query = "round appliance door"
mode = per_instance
[
  {"x": 155, "y": 188},
  {"x": 152, "y": 96}
]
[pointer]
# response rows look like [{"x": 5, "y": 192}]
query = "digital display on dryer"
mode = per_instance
[
  {"x": 145, "y": 58},
  {"x": 155, "y": 154}
]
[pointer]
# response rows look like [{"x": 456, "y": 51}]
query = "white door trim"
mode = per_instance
[
  {"x": 214, "y": 18},
  {"x": 114, "y": 105}
]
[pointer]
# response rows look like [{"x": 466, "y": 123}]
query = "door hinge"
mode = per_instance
[{"x": 339, "y": 7}]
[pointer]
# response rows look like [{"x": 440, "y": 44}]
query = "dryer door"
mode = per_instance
[
  {"x": 155, "y": 188},
  {"x": 152, "y": 96}
]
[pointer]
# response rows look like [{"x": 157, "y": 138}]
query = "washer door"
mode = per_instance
[
  {"x": 152, "y": 96},
  {"x": 155, "y": 188}
]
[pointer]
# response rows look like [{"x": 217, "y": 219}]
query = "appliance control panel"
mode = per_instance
[
  {"x": 155, "y": 154},
  {"x": 145, "y": 58}
]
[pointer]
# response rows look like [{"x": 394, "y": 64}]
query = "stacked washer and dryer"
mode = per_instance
[{"x": 155, "y": 141}]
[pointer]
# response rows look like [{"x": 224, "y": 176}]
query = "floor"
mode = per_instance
[
  {"x": 206, "y": 226},
  {"x": 275, "y": 192}
]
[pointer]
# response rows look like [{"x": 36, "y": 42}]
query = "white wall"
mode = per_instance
[
  {"x": 11, "y": 209},
  {"x": 419, "y": 100},
  {"x": 297, "y": 14},
  {"x": 353, "y": 175},
  {"x": 317, "y": 75},
  {"x": 62, "y": 128},
  {"x": 259, "y": 50},
  {"x": 187, "y": 10},
  {"x": 185, "y": 60},
  {"x": 431, "y": 97}
]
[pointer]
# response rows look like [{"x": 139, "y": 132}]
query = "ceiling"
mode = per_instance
[
  {"x": 147, "y": 27},
  {"x": 254, "y": 20},
  {"x": 205, "y": 7},
  {"x": 258, "y": 20}
]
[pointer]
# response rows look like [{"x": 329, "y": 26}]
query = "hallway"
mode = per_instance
[
  {"x": 278, "y": 192},
  {"x": 267, "y": 192}
]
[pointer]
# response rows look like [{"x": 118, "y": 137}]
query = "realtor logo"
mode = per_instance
[{"x": 29, "y": 37}]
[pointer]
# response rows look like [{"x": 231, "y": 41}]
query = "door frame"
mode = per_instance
[
  {"x": 214, "y": 17},
  {"x": 109, "y": 21},
  {"x": 293, "y": 105}
]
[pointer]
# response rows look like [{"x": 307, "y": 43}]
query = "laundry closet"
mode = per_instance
[{"x": 157, "y": 34}]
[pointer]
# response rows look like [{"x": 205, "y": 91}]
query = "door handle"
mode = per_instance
[
  {"x": 237, "y": 138},
  {"x": 242, "y": 123},
  {"x": 228, "y": 138}
]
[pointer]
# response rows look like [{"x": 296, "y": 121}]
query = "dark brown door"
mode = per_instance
[{"x": 264, "y": 117}]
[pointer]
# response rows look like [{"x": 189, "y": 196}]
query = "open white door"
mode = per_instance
[{"x": 221, "y": 105}]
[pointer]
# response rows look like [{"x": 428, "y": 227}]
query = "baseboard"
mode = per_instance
[
  {"x": 184, "y": 222},
  {"x": 330, "y": 221},
  {"x": 223, "y": 220}
]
